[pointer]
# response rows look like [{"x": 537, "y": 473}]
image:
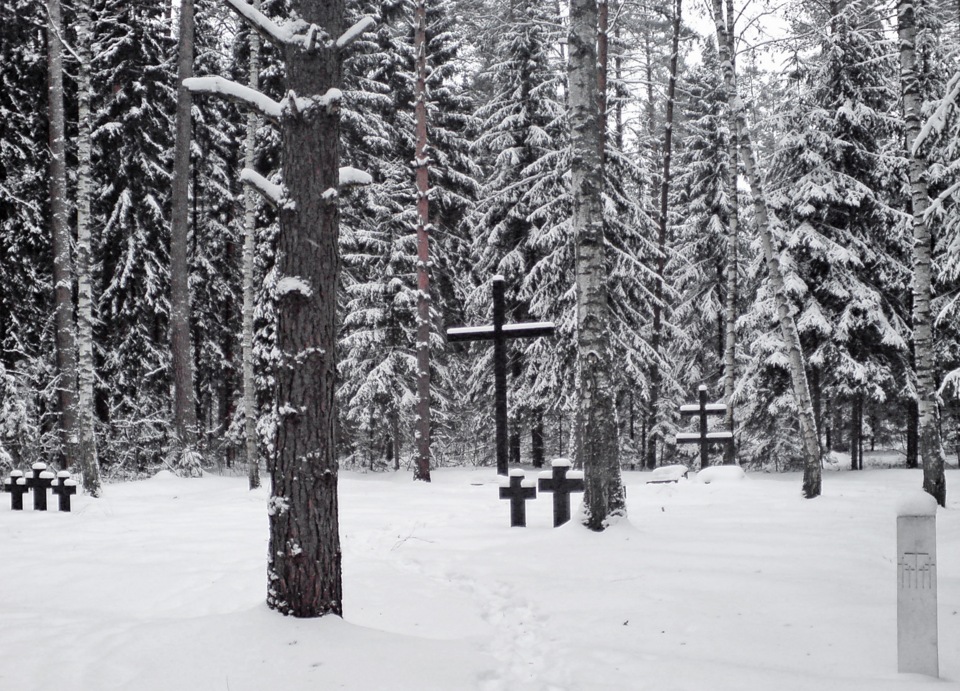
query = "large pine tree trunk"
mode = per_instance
[
  {"x": 304, "y": 559},
  {"x": 929, "y": 443},
  {"x": 422, "y": 471},
  {"x": 249, "y": 252},
  {"x": 596, "y": 433},
  {"x": 65, "y": 336},
  {"x": 788, "y": 328},
  {"x": 85, "y": 369},
  {"x": 181, "y": 341}
]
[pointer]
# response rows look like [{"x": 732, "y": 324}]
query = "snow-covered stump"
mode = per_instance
[
  {"x": 16, "y": 486},
  {"x": 561, "y": 481},
  {"x": 917, "y": 640},
  {"x": 518, "y": 491},
  {"x": 41, "y": 481}
]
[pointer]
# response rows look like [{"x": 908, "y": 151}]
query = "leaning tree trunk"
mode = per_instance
[
  {"x": 812, "y": 475},
  {"x": 85, "y": 370},
  {"x": 929, "y": 443},
  {"x": 304, "y": 562},
  {"x": 596, "y": 435},
  {"x": 249, "y": 252},
  {"x": 65, "y": 336},
  {"x": 422, "y": 471},
  {"x": 181, "y": 342}
]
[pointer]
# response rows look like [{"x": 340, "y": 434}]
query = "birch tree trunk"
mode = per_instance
[
  {"x": 304, "y": 558},
  {"x": 249, "y": 252},
  {"x": 929, "y": 443},
  {"x": 65, "y": 336},
  {"x": 812, "y": 476},
  {"x": 596, "y": 436},
  {"x": 181, "y": 342},
  {"x": 733, "y": 260},
  {"x": 86, "y": 377},
  {"x": 422, "y": 471}
]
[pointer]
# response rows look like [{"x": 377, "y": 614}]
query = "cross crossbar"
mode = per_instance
[{"x": 702, "y": 437}]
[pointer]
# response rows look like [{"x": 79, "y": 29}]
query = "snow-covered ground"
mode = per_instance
[{"x": 735, "y": 586}]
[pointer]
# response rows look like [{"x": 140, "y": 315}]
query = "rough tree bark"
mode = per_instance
[
  {"x": 65, "y": 336},
  {"x": 249, "y": 251},
  {"x": 422, "y": 471},
  {"x": 181, "y": 340},
  {"x": 86, "y": 377},
  {"x": 929, "y": 443},
  {"x": 810, "y": 445},
  {"x": 596, "y": 432},
  {"x": 304, "y": 564}
]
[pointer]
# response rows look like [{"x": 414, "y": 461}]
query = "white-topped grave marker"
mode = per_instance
[{"x": 917, "y": 650}]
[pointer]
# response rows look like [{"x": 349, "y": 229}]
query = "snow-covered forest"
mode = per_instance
[{"x": 810, "y": 211}]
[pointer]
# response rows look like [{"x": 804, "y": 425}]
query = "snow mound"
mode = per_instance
[
  {"x": 164, "y": 475},
  {"x": 721, "y": 474},
  {"x": 668, "y": 473}
]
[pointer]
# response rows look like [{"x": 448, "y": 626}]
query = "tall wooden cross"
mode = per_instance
[
  {"x": 499, "y": 333},
  {"x": 703, "y": 437}
]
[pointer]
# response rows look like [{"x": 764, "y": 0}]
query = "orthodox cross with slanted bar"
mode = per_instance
[
  {"x": 499, "y": 333},
  {"x": 703, "y": 437}
]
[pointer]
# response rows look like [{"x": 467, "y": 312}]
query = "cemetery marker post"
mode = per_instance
[
  {"x": 917, "y": 635},
  {"x": 64, "y": 488},
  {"x": 703, "y": 437},
  {"x": 42, "y": 479},
  {"x": 499, "y": 333}
]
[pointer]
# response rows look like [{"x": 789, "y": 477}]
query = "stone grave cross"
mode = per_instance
[
  {"x": 518, "y": 492},
  {"x": 17, "y": 487},
  {"x": 702, "y": 437},
  {"x": 41, "y": 480},
  {"x": 561, "y": 481},
  {"x": 499, "y": 333},
  {"x": 65, "y": 487}
]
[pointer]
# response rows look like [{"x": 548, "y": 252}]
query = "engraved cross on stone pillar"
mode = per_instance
[{"x": 499, "y": 333}]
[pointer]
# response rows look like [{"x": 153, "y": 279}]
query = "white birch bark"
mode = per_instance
[
  {"x": 249, "y": 251},
  {"x": 86, "y": 378},
  {"x": 930, "y": 444},
  {"x": 596, "y": 435},
  {"x": 812, "y": 476}
]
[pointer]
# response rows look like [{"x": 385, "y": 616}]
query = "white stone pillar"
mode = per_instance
[{"x": 917, "y": 650}]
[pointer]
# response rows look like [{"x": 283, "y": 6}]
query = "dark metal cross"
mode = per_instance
[
  {"x": 561, "y": 486},
  {"x": 703, "y": 437},
  {"x": 499, "y": 333},
  {"x": 17, "y": 487},
  {"x": 65, "y": 487},
  {"x": 518, "y": 493},
  {"x": 41, "y": 480}
]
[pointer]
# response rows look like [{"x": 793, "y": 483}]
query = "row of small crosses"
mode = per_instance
[
  {"x": 561, "y": 481},
  {"x": 41, "y": 480}
]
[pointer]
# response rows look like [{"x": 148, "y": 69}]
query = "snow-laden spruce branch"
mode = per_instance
[
  {"x": 261, "y": 103},
  {"x": 938, "y": 119},
  {"x": 296, "y": 33},
  {"x": 270, "y": 191}
]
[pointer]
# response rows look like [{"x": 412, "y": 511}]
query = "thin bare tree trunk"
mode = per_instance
[
  {"x": 422, "y": 471},
  {"x": 65, "y": 336},
  {"x": 596, "y": 436},
  {"x": 929, "y": 443},
  {"x": 812, "y": 475},
  {"x": 249, "y": 252},
  {"x": 733, "y": 260},
  {"x": 181, "y": 340}
]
